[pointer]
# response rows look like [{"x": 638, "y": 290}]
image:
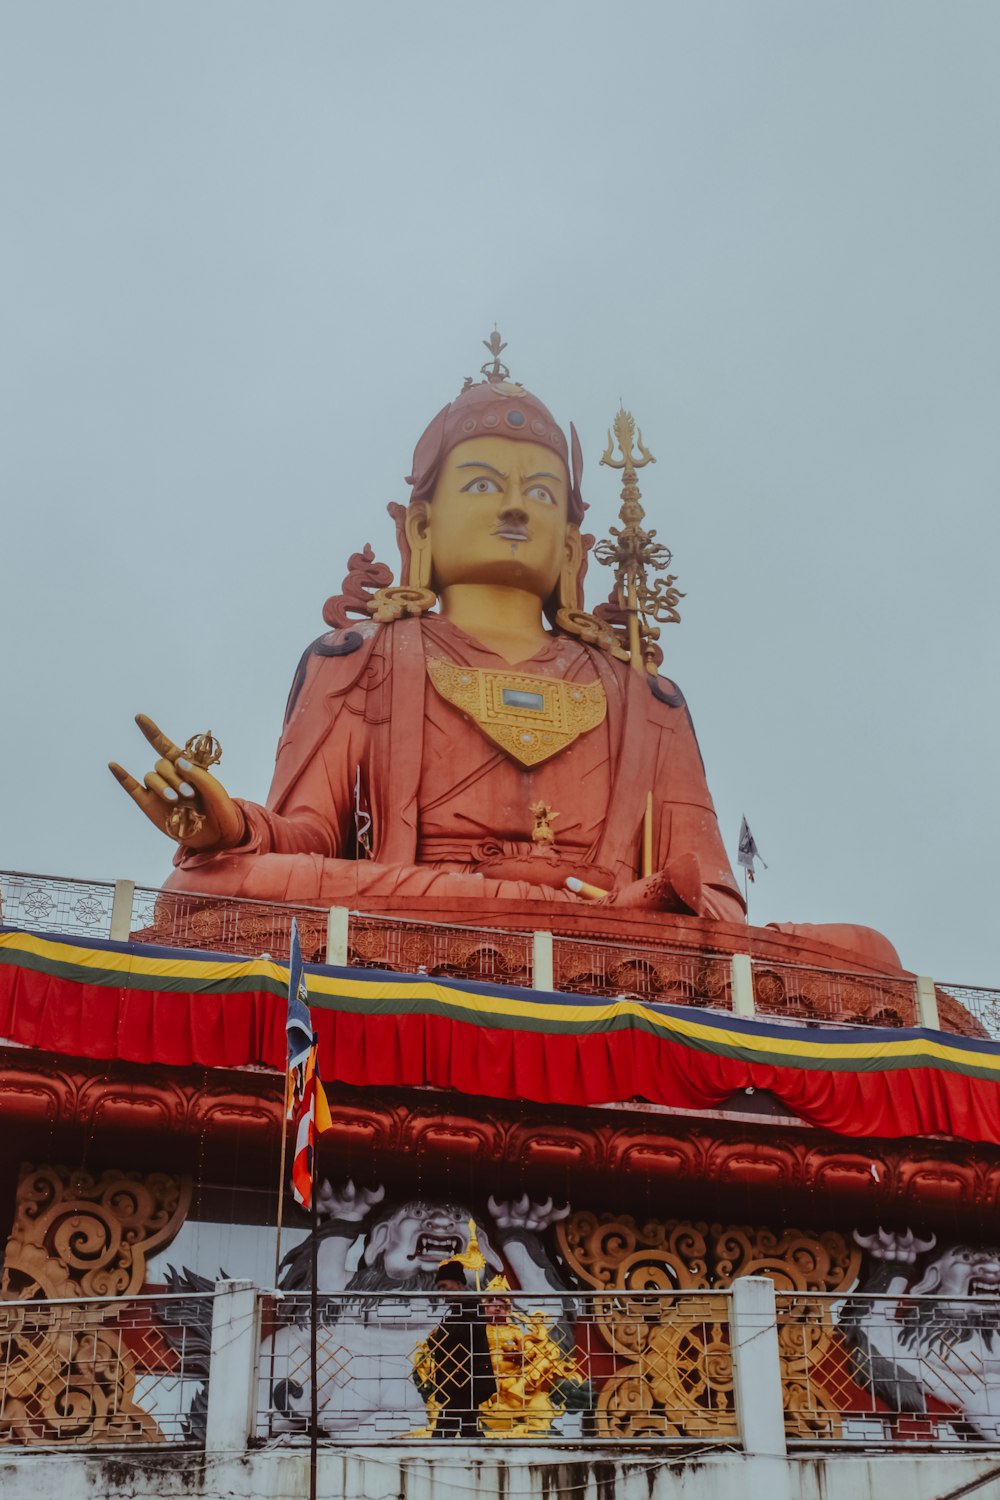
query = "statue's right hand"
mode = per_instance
[{"x": 175, "y": 783}]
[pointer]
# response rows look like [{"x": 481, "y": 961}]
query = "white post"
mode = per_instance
[
  {"x": 232, "y": 1377},
  {"x": 542, "y": 962},
  {"x": 742, "y": 982},
  {"x": 336, "y": 936},
  {"x": 753, "y": 1332},
  {"x": 121, "y": 911},
  {"x": 927, "y": 1006}
]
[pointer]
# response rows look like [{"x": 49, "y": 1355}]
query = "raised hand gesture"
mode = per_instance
[{"x": 183, "y": 800}]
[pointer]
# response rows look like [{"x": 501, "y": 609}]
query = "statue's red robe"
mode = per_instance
[{"x": 446, "y": 804}]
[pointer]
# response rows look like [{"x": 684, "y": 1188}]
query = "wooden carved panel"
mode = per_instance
[
  {"x": 71, "y": 1369},
  {"x": 79, "y": 1236},
  {"x": 673, "y": 1374}
]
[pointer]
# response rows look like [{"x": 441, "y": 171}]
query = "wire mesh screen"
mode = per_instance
[
  {"x": 175, "y": 919},
  {"x": 103, "y": 1373},
  {"x": 981, "y": 1003},
  {"x": 46, "y": 903},
  {"x": 891, "y": 1372},
  {"x": 496, "y": 1366},
  {"x": 488, "y": 954},
  {"x": 795, "y": 992},
  {"x": 605, "y": 968}
]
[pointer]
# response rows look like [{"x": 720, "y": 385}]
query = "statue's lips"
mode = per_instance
[
  {"x": 513, "y": 533},
  {"x": 436, "y": 1247}
]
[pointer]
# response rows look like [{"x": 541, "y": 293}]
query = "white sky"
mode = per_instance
[{"x": 249, "y": 249}]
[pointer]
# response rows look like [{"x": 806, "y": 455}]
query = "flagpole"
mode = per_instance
[
  {"x": 746, "y": 893},
  {"x": 314, "y": 1306},
  {"x": 282, "y": 1163}
]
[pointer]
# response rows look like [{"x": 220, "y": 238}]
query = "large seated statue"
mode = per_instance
[{"x": 476, "y": 742}]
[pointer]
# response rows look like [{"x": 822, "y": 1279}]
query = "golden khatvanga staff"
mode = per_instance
[{"x": 632, "y": 551}]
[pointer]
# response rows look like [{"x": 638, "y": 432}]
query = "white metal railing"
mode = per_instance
[
  {"x": 740, "y": 1367},
  {"x": 795, "y": 993}
]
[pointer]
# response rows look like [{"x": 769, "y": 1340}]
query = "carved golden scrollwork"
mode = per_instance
[
  {"x": 674, "y": 1371},
  {"x": 79, "y": 1236},
  {"x": 68, "y": 1379},
  {"x": 396, "y": 603},
  {"x": 71, "y": 1371}
]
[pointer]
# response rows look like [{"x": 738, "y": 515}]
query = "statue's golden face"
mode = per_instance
[{"x": 498, "y": 515}]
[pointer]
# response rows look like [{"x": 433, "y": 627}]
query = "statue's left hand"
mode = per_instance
[
  {"x": 175, "y": 782},
  {"x": 678, "y": 888}
]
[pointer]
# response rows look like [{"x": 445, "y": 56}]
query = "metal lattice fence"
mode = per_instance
[
  {"x": 890, "y": 1371},
  {"x": 586, "y": 1368},
  {"x": 103, "y": 1372}
]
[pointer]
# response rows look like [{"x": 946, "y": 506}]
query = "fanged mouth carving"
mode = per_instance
[
  {"x": 440, "y": 1246},
  {"x": 984, "y": 1286}
]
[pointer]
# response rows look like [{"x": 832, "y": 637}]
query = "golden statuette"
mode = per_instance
[
  {"x": 544, "y": 816},
  {"x": 203, "y": 751},
  {"x": 634, "y": 551}
]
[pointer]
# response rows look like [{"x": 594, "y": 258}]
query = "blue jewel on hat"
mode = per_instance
[{"x": 515, "y": 419}]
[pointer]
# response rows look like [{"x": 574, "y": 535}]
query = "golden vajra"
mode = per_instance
[
  {"x": 203, "y": 751},
  {"x": 634, "y": 551},
  {"x": 472, "y": 1258}
]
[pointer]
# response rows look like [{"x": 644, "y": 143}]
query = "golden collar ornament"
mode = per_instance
[{"x": 531, "y": 718}]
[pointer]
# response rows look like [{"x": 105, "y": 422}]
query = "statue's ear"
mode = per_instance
[
  {"x": 570, "y": 574},
  {"x": 928, "y": 1283},
  {"x": 376, "y": 1242},
  {"x": 418, "y": 515},
  {"x": 416, "y": 527}
]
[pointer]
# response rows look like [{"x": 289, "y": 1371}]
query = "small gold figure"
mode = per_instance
[{"x": 544, "y": 816}]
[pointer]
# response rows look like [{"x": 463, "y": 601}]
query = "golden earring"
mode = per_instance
[
  {"x": 571, "y": 618},
  {"x": 415, "y": 597},
  {"x": 420, "y": 561}
]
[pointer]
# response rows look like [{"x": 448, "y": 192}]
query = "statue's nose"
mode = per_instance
[{"x": 513, "y": 513}]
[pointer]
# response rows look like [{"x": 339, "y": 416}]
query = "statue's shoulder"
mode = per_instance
[
  {"x": 666, "y": 692},
  {"x": 339, "y": 656}
]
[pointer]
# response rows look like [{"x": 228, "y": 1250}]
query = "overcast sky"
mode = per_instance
[{"x": 248, "y": 250}]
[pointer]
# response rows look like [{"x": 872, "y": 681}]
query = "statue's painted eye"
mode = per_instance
[
  {"x": 481, "y": 486},
  {"x": 539, "y": 492}
]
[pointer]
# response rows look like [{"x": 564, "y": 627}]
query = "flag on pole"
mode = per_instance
[
  {"x": 312, "y": 1117},
  {"x": 299, "y": 1026},
  {"x": 305, "y": 1097},
  {"x": 748, "y": 851}
]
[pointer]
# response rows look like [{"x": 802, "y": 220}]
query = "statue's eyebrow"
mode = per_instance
[
  {"x": 543, "y": 474},
  {"x": 476, "y": 464}
]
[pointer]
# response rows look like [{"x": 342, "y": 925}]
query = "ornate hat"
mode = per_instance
[{"x": 495, "y": 407}]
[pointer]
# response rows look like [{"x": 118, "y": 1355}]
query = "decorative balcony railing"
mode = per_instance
[
  {"x": 103, "y": 1372},
  {"x": 740, "y": 1367},
  {"x": 795, "y": 993}
]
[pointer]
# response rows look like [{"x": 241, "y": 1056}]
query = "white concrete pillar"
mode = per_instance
[
  {"x": 232, "y": 1381},
  {"x": 742, "y": 985},
  {"x": 927, "y": 1006},
  {"x": 753, "y": 1332},
  {"x": 121, "y": 911},
  {"x": 542, "y": 962},
  {"x": 336, "y": 936}
]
